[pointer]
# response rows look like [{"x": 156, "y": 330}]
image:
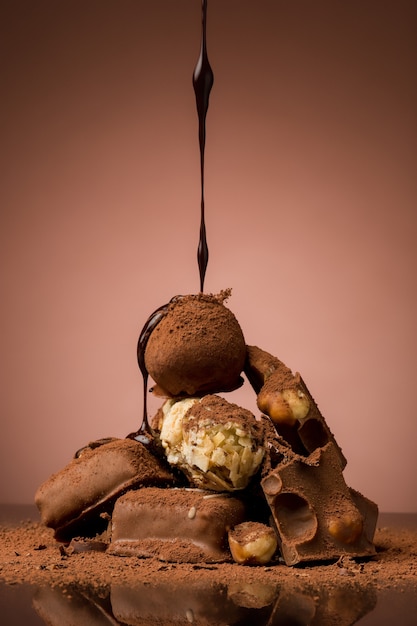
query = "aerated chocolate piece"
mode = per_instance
[
  {"x": 317, "y": 516},
  {"x": 285, "y": 398},
  {"x": 178, "y": 525},
  {"x": 77, "y": 499}
]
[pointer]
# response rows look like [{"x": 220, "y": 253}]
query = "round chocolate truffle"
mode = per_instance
[{"x": 197, "y": 347}]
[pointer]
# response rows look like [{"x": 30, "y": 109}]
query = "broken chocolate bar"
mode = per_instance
[
  {"x": 316, "y": 515},
  {"x": 75, "y": 500},
  {"x": 285, "y": 398},
  {"x": 341, "y": 605},
  {"x": 178, "y": 525}
]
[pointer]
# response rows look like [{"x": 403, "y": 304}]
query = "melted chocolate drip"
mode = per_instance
[
  {"x": 202, "y": 82},
  {"x": 203, "y": 79},
  {"x": 144, "y": 434}
]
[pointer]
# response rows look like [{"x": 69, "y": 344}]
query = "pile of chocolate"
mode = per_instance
[{"x": 210, "y": 481}]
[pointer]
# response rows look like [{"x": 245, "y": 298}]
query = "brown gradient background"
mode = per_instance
[{"x": 310, "y": 199}]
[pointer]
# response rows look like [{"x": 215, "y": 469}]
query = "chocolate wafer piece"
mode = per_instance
[
  {"x": 79, "y": 498},
  {"x": 177, "y": 525}
]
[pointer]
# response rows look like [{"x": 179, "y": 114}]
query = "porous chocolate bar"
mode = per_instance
[
  {"x": 316, "y": 516},
  {"x": 285, "y": 398}
]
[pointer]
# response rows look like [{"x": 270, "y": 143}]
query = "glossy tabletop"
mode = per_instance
[{"x": 396, "y": 605}]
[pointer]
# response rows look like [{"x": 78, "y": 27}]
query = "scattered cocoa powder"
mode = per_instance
[
  {"x": 201, "y": 413},
  {"x": 30, "y": 554}
]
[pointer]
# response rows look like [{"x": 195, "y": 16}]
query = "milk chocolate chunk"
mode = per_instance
[
  {"x": 177, "y": 525},
  {"x": 316, "y": 515},
  {"x": 285, "y": 398},
  {"x": 78, "y": 499}
]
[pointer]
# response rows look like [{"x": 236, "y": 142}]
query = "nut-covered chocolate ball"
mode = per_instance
[
  {"x": 217, "y": 444},
  {"x": 197, "y": 347}
]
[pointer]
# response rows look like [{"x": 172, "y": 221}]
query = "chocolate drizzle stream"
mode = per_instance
[
  {"x": 144, "y": 434},
  {"x": 202, "y": 82}
]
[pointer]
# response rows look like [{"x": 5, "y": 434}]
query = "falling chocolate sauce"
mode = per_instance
[
  {"x": 202, "y": 82},
  {"x": 203, "y": 79},
  {"x": 144, "y": 434}
]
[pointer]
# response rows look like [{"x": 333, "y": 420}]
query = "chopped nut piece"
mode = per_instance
[{"x": 217, "y": 444}]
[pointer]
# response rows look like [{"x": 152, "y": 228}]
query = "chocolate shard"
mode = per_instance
[
  {"x": 305, "y": 430},
  {"x": 176, "y": 525},
  {"x": 316, "y": 516},
  {"x": 78, "y": 499}
]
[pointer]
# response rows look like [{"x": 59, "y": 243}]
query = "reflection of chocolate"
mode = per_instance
[
  {"x": 60, "y": 606},
  {"x": 73, "y": 500},
  {"x": 197, "y": 602},
  {"x": 183, "y": 525},
  {"x": 341, "y": 606},
  {"x": 317, "y": 517},
  {"x": 181, "y": 603}
]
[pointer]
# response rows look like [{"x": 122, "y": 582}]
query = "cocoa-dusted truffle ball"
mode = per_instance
[{"x": 197, "y": 347}]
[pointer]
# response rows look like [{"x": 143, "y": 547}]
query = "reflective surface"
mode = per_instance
[
  {"x": 23, "y": 604},
  {"x": 196, "y": 603}
]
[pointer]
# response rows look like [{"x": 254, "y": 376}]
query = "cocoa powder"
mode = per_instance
[{"x": 30, "y": 554}]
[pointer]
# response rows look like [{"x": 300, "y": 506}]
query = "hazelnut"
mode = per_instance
[
  {"x": 275, "y": 406},
  {"x": 347, "y": 528},
  {"x": 285, "y": 406},
  {"x": 298, "y": 402},
  {"x": 252, "y": 543}
]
